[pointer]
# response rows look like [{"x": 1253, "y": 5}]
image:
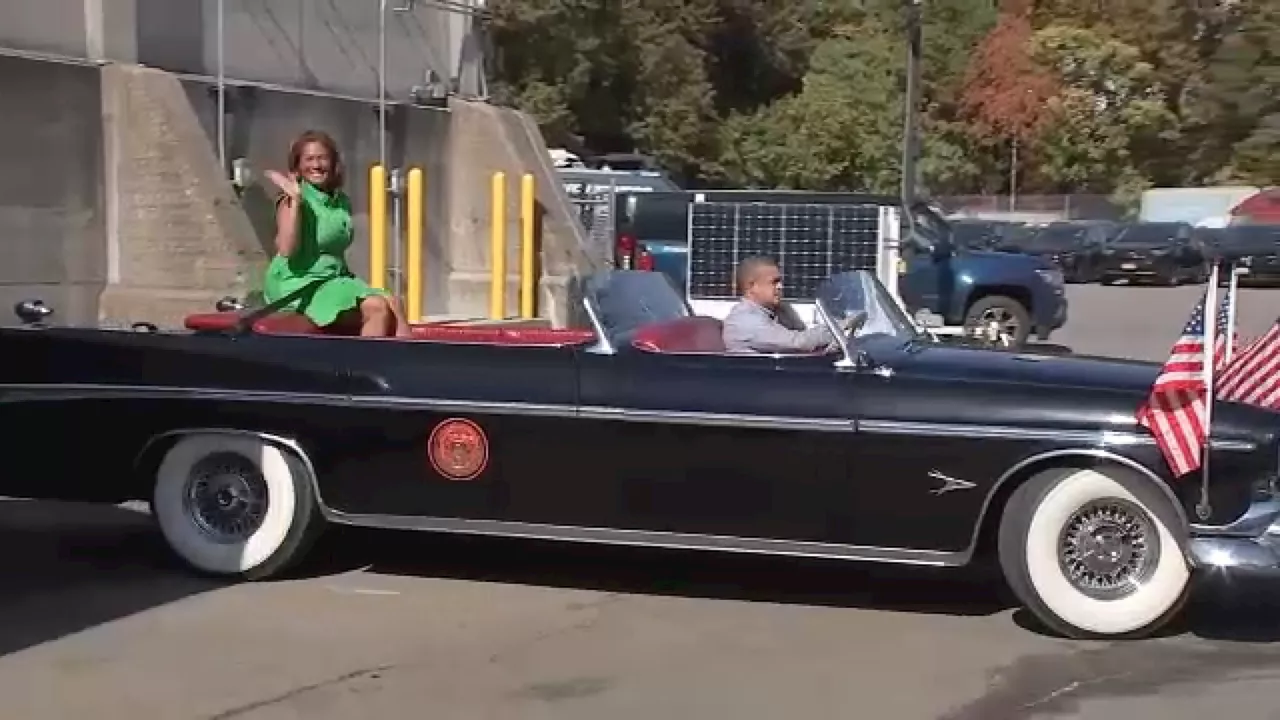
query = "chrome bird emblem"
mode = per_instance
[{"x": 948, "y": 483}]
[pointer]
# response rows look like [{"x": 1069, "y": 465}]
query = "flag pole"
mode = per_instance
[
  {"x": 1233, "y": 287},
  {"x": 1203, "y": 508}
]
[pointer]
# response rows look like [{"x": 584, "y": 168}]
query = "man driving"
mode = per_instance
[{"x": 756, "y": 325}]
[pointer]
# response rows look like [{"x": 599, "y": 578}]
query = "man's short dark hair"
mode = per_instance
[{"x": 748, "y": 268}]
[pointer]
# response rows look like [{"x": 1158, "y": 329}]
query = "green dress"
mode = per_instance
[{"x": 325, "y": 231}]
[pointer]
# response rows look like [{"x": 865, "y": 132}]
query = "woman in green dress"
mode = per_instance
[{"x": 313, "y": 231}]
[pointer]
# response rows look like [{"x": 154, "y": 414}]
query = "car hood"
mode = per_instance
[
  {"x": 1140, "y": 247},
  {"x": 1008, "y": 259},
  {"x": 977, "y": 365},
  {"x": 1051, "y": 249},
  {"x": 1039, "y": 389}
]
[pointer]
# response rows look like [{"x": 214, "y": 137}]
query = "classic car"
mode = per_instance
[
  {"x": 251, "y": 431},
  {"x": 1167, "y": 253},
  {"x": 1074, "y": 247}
]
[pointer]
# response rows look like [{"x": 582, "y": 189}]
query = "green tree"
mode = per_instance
[
  {"x": 1241, "y": 99},
  {"x": 840, "y": 132},
  {"x": 1109, "y": 103}
]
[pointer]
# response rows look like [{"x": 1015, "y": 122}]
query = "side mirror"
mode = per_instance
[
  {"x": 929, "y": 320},
  {"x": 229, "y": 304},
  {"x": 32, "y": 312}
]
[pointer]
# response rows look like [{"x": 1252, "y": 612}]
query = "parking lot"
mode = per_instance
[{"x": 97, "y": 623}]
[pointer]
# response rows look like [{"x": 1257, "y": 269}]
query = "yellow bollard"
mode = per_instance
[
  {"x": 378, "y": 227},
  {"x": 528, "y": 282},
  {"x": 413, "y": 234},
  {"x": 498, "y": 248}
]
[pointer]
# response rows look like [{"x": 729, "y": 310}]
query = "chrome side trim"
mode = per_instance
[
  {"x": 1103, "y": 437},
  {"x": 1002, "y": 432},
  {"x": 1096, "y": 453},
  {"x": 871, "y": 425},
  {"x": 766, "y": 422},
  {"x": 646, "y": 538}
]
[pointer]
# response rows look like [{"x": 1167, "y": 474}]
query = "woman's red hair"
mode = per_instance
[{"x": 337, "y": 171}]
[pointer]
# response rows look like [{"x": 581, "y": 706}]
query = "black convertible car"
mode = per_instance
[{"x": 251, "y": 431}]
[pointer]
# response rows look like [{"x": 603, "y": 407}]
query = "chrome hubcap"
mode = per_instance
[
  {"x": 226, "y": 497},
  {"x": 1108, "y": 549}
]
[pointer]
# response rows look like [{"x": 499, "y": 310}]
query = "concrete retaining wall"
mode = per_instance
[{"x": 52, "y": 211}]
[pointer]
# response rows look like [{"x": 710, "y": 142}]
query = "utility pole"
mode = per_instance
[{"x": 911, "y": 103}]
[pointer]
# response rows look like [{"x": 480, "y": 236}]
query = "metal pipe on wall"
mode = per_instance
[
  {"x": 382, "y": 82},
  {"x": 397, "y": 233},
  {"x": 221, "y": 23}
]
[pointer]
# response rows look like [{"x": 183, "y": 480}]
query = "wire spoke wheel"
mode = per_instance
[{"x": 1108, "y": 549}]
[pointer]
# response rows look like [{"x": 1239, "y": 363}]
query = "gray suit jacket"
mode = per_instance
[{"x": 750, "y": 328}]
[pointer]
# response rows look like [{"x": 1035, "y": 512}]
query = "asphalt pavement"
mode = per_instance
[{"x": 95, "y": 621}]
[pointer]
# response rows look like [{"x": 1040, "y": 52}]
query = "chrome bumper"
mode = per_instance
[{"x": 1250, "y": 544}]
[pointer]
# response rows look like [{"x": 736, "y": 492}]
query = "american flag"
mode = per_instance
[
  {"x": 1253, "y": 375},
  {"x": 1176, "y": 412}
]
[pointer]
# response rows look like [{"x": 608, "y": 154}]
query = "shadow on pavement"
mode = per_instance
[
  {"x": 68, "y": 567},
  {"x": 647, "y": 571},
  {"x": 1227, "y": 608}
]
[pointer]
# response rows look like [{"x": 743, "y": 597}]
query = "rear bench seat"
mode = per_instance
[
  {"x": 292, "y": 323},
  {"x": 279, "y": 323},
  {"x": 695, "y": 334},
  {"x": 492, "y": 335}
]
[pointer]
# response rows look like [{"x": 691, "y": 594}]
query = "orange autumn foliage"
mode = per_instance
[{"x": 1005, "y": 92}]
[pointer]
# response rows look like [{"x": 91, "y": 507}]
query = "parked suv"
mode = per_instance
[{"x": 1024, "y": 295}]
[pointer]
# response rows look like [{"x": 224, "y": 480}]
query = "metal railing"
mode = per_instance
[{"x": 596, "y": 210}]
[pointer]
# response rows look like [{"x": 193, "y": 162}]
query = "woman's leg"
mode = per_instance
[
  {"x": 376, "y": 317},
  {"x": 400, "y": 325}
]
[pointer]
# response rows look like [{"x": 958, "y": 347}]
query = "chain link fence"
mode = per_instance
[{"x": 1045, "y": 208}]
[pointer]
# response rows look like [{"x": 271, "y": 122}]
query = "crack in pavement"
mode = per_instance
[
  {"x": 1053, "y": 684},
  {"x": 596, "y": 606},
  {"x": 243, "y": 710}
]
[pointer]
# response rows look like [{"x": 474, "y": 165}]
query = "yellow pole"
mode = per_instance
[
  {"x": 528, "y": 282},
  {"x": 498, "y": 248},
  {"x": 378, "y": 227},
  {"x": 414, "y": 236}
]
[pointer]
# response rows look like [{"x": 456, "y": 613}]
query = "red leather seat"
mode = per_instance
[
  {"x": 696, "y": 334},
  {"x": 281, "y": 323},
  {"x": 501, "y": 335}
]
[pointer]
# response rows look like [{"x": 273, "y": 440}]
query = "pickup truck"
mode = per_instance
[{"x": 968, "y": 288}]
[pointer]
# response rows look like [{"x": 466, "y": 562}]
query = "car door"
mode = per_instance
[{"x": 743, "y": 446}]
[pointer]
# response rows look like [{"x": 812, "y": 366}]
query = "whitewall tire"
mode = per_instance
[
  {"x": 1093, "y": 553},
  {"x": 235, "y": 505}
]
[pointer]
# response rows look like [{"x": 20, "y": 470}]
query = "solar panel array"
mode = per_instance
[{"x": 810, "y": 243}]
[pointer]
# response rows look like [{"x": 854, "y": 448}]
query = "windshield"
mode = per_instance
[
  {"x": 625, "y": 300},
  {"x": 859, "y": 290},
  {"x": 1058, "y": 238},
  {"x": 1149, "y": 233},
  {"x": 971, "y": 234}
]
